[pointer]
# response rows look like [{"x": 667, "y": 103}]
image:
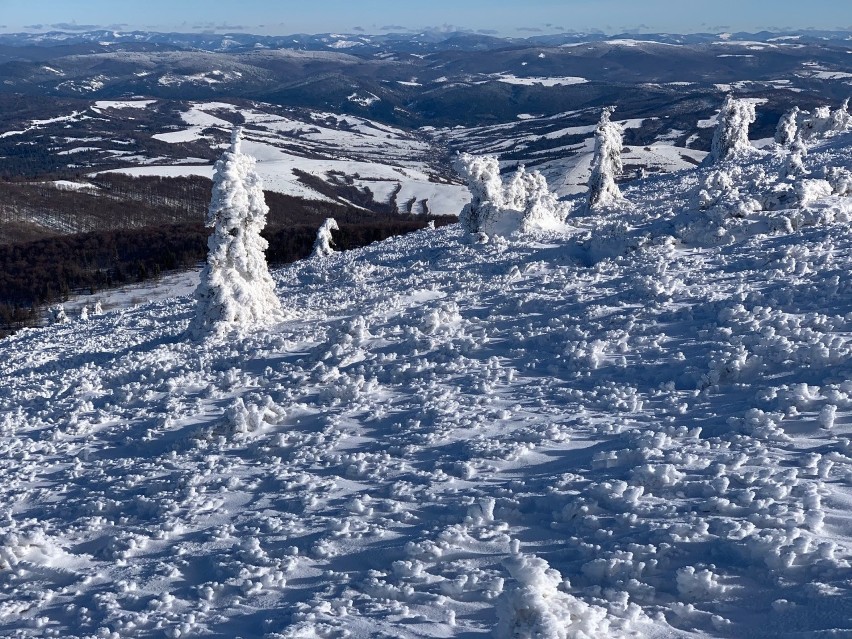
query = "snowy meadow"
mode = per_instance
[{"x": 619, "y": 415}]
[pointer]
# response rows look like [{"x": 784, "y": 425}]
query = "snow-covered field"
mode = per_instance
[
  {"x": 385, "y": 159},
  {"x": 638, "y": 425}
]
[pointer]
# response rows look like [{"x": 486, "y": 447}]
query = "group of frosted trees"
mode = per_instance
[
  {"x": 526, "y": 202},
  {"x": 236, "y": 288}
]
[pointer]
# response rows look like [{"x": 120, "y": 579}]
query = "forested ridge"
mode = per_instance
[{"x": 125, "y": 229}]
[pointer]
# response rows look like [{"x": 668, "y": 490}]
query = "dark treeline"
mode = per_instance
[
  {"x": 119, "y": 229},
  {"x": 47, "y": 271},
  {"x": 113, "y": 202}
]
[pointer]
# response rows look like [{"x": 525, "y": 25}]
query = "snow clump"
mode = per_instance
[
  {"x": 521, "y": 206},
  {"x": 536, "y": 607},
  {"x": 236, "y": 288}
]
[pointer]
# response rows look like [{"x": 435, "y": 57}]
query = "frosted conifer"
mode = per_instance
[
  {"x": 235, "y": 288},
  {"x": 541, "y": 208},
  {"x": 794, "y": 166},
  {"x": 486, "y": 190},
  {"x": 788, "y": 127},
  {"x": 730, "y": 138},
  {"x": 825, "y": 121},
  {"x": 606, "y": 162},
  {"x": 57, "y": 315},
  {"x": 322, "y": 245}
]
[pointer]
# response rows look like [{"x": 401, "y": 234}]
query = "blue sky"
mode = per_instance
[{"x": 507, "y": 17}]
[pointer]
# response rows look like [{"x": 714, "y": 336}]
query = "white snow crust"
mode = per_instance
[{"x": 638, "y": 423}]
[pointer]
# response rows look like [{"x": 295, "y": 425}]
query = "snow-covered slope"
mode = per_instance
[
  {"x": 564, "y": 153},
  {"x": 638, "y": 424},
  {"x": 388, "y": 161}
]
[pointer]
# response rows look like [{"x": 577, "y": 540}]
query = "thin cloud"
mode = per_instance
[
  {"x": 642, "y": 28},
  {"x": 393, "y": 27},
  {"x": 73, "y": 26},
  {"x": 488, "y": 31},
  {"x": 211, "y": 27},
  {"x": 530, "y": 29},
  {"x": 448, "y": 28}
]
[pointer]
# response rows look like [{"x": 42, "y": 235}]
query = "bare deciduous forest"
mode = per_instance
[{"x": 56, "y": 241}]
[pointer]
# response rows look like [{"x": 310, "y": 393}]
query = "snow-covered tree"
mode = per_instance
[
  {"x": 541, "y": 208},
  {"x": 84, "y": 313},
  {"x": 730, "y": 138},
  {"x": 324, "y": 241},
  {"x": 98, "y": 310},
  {"x": 794, "y": 165},
  {"x": 525, "y": 203},
  {"x": 841, "y": 120},
  {"x": 486, "y": 191},
  {"x": 788, "y": 127},
  {"x": 57, "y": 315},
  {"x": 606, "y": 162},
  {"x": 824, "y": 121},
  {"x": 235, "y": 288}
]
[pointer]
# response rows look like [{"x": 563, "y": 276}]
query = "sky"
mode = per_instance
[{"x": 504, "y": 17}]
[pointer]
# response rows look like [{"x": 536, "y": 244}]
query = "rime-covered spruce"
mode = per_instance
[{"x": 235, "y": 288}]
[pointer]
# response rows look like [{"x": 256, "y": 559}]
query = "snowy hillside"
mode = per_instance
[
  {"x": 387, "y": 161},
  {"x": 564, "y": 153},
  {"x": 636, "y": 425}
]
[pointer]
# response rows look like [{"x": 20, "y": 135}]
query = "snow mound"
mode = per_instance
[{"x": 535, "y": 607}]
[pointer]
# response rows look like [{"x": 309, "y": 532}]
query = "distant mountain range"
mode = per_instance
[
  {"x": 431, "y": 78},
  {"x": 419, "y": 42}
]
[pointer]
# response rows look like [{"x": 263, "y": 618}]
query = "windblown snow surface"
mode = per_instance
[{"x": 638, "y": 425}]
